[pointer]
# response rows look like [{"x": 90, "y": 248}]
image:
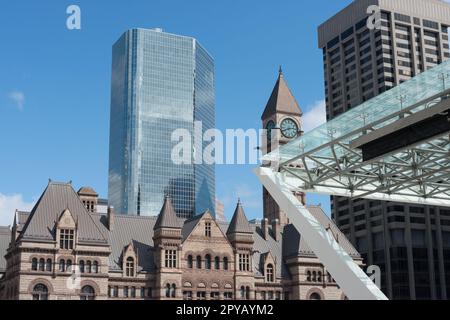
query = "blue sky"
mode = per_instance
[{"x": 55, "y": 83}]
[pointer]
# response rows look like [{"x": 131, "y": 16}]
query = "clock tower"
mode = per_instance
[{"x": 282, "y": 118}]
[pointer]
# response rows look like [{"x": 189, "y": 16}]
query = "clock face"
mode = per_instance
[
  {"x": 269, "y": 127},
  {"x": 289, "y": 128}
]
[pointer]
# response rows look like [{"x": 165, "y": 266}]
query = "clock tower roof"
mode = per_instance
[{"x": 281, "y": 100}]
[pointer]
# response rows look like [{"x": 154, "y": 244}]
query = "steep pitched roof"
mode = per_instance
[
  {"x": 56, "y": 198},
  {"x": 5, "y": 237},
  {"x": 281, "y": 100},
  {"x": 239, "y": 222},
  {"x": 87, "y": 191},
  {"x": 189, "y": 225},
  {"x": 167, "y": 218},
  {"x": 130, "y": 229}
]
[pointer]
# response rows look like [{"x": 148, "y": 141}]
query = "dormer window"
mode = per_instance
[
  {"x": 269, "y": 273},
  {"x": 66, "y": 239},
  {"x": 129, "y": 267}
]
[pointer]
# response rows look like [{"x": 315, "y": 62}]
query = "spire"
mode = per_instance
[
  {"x": 167, "y": 217},
  {"x": 281, "y": 100},
  {"x": 239, "y": 222}
]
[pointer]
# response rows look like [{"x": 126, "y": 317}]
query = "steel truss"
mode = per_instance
[{"x": 417, "y": 174}]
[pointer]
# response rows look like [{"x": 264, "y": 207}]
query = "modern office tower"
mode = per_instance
[
  {"x": 411, "y": 244},
  {"x": 160, "y": 82}
]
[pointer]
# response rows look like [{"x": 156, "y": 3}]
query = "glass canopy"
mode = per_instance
[{"x": 411, "y": 96}]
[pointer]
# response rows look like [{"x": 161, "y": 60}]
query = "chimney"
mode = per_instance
[
  {"x": 276, "y": 228},
  {"x": 265, "y": 228},
  {"x": 110, "y": 217}
]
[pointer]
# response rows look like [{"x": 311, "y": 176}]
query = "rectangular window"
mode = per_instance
[
  {"x": 402, "y": 17},
  {"x": 430, "y": 24},
  {"x": 244, "y": 262},
  {"x": 66, "y": 238},
  {"x": 208, "y": 229},
  {"x": 125, "y": 292},
  {"x": 171, "y": 258}
]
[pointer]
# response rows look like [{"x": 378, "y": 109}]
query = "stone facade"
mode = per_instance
[{"x": 51, "y": 256}]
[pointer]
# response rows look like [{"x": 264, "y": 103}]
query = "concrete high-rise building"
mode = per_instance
[
  {"x": 160, "y": 82},
  {"x": 410, "y": 243}
]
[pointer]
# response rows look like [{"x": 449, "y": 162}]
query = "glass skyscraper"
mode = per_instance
[{"x": 160, "y": 82}]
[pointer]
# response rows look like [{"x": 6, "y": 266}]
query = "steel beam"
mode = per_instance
[{"x": 348, "y": 275}]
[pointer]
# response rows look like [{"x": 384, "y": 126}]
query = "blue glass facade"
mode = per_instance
[{"x": 160, "y": 82}]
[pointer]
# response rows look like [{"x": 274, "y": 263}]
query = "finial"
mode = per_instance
[
  {"x": 239, "y": 200},
  {"x": 280, "y": 71}
]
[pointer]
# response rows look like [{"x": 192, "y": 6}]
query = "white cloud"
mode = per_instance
[
  {"x": 8, "y": 206},
  {"x": 18, "y": 98},
  {"x": 314, "y": 116}
]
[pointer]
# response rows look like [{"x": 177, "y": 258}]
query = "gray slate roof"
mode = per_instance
[
  {"x": 239, "y": 222},
  {"x": 167, "y": 217},
  {"x": 281, "y": 100},
  {"x": 21, "y": 219},
  {"x": 5, "y": 237},
  {"x": 138, "y": 231},
  {"x": 56, "y": 198},
  {"x": 130, "y": 229}
]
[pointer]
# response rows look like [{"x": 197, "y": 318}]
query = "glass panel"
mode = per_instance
[{"x": 405, "y": 95}]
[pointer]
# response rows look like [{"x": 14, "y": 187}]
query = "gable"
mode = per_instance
[
  {"x": 66, "y": 220},
  {"x": 197, "y": 233},
  {"x": 56, "y": 198}
]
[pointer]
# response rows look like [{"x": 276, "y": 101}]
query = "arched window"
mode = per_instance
[
  {"x": 88, "y": 266},
  {"x": 208, "y": 262},
  {"x": 315, "y": 296},
  {"x": 199, "y": 262},
  {"x": 225, "y": 263},
  {"x": 129, "y": 267},
  {"x": 82, "y": 266},
  {"x": 40, "y": 292},
  {"x": 87, "y": 293},
  {"x": 69, "y": 266},
  {"x": 269, "y": 273},
  {"x": 173, "y": 290},
  {"x": 216, "y": 263},
  {"x": 242, "y": 292},
  {"x": 314, "y": 276},
  {"x": 48, "y": 265},
  {"x": 168, "y": 291},
  {"x": 62, "y": 265},
  {"x": 319, "y": 276},
  {"x": 95, "y": 267},
  {"x": 190, "y": 262},
  {"x": 308, "y": 276},
  {"x": 41, "y": 264},
  {"x": 34, "y": 264}
]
